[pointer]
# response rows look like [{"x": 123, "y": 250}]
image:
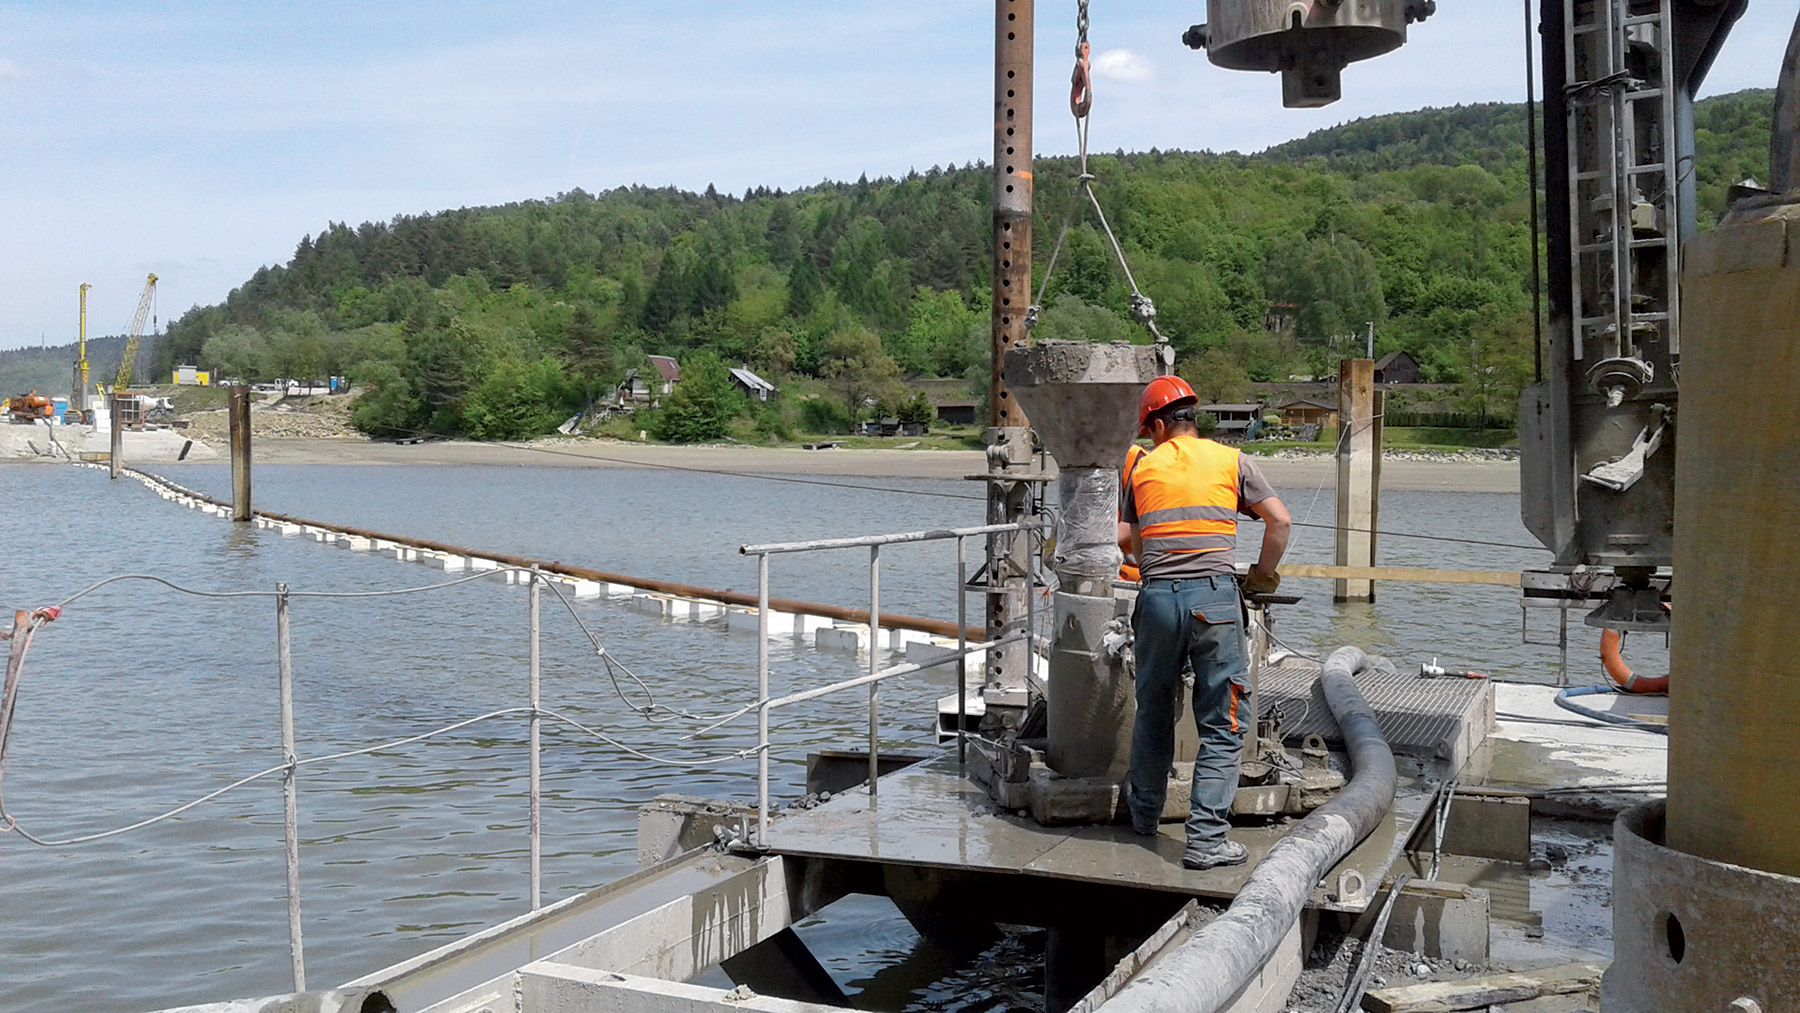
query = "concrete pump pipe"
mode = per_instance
[{"x": 1207, "y": 972}]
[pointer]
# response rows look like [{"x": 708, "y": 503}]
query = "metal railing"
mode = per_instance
[
  {"x": 291, "y": 761},
  {"x": 875, "y": 676},
  {"x": 764, "y": 705}
]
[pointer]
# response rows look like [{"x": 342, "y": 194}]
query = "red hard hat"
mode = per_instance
[{"x": 1161, "y": 393}]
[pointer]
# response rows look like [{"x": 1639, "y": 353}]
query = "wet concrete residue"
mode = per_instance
[{"x": 1571, "y": 883}]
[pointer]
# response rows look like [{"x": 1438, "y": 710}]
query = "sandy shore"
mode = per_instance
[
  {"x": 1440, "y": 476},
  {"x": 29, "y": 444}
]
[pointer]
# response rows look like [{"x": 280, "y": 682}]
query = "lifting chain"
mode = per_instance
[{"x": 1081, "y": 103}]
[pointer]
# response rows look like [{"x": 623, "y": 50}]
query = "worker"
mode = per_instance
[
  {"x": 1181, "y": 501},
  {"x": 1128, "y": 570}
]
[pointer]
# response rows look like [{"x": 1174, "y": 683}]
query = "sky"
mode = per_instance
[{"x": 201, "y": 141}]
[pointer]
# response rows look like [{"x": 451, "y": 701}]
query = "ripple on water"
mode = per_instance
[{"x": 138, "y": 699}]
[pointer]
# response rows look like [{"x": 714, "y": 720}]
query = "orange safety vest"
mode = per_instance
[
  {"x": 1129, "y": 569},
  {"x": 1186, "y": 495}
]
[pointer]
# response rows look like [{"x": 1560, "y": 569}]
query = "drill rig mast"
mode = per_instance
[
  {"x": 146, "y": 300},
  {"x": 1597, "y": 432},
  {"x": 78, "y": 398}
]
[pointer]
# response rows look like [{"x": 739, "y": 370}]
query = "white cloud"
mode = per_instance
[
  {"x": 1124, "y": 66},
  {"x": 10, "y": 71}
]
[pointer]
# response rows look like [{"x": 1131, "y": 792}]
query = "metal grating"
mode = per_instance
[{"x": 1431, "y": 719}]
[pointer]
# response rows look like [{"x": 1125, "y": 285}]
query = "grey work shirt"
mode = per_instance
[{"x": 1253, "y": 488}]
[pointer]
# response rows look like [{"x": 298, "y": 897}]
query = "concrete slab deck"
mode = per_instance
[
  {"x": 1538, "y": 744},
  {"x": 928, "y": 815}
]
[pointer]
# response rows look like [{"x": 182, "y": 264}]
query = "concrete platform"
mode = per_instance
[
  {"x": 928, "y": 815},
  {"x": 1537, "y": 744}
]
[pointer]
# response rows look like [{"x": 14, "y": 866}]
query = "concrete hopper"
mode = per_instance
[{"x": 1082, "y": 401}]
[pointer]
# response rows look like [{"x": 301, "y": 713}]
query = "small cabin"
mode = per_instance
[
  {"x": 1397, "y": 367},
  {"x": 192, "y": 376},
  {"x": 668, "y": 373},
  {"x": 754, "y": 387},
  {"x": 1307, "y": 412},
  {"x": 956, "y": 413},
  {"x": 1236, "y": 421},
  {"x": 632, "y": 389}
]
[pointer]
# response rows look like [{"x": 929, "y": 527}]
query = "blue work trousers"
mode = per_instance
[{"x": 1197, "y": 619}]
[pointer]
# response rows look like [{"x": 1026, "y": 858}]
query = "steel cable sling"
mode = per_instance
[{"x": 1081, "y": 103}]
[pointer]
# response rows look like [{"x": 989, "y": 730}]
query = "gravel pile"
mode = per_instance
[
  {"x": 311, "y": 418},
  {"x": 1333, "y": 958}
]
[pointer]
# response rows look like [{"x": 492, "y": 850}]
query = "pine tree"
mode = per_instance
[{"x": 703, "y": 404}]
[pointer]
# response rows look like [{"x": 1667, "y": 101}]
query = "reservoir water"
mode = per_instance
[{"x": 140, "y": 698}]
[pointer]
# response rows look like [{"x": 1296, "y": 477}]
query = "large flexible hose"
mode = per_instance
[{"x": 1205, "y": 973}]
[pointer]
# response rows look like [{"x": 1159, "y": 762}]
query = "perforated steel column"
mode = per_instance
[{"x": 1009, "y": 438}]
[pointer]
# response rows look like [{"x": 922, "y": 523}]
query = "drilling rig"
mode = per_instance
[
  {"x": 78, "y": 395},
  {"x": 1645, "y": 311},
  {"x": 135, "y": 334}
]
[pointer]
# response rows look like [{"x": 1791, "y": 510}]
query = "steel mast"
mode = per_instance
[{"x": 1012, "y": 482}]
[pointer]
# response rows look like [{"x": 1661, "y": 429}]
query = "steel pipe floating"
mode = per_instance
[{"x": 889, "y": 620}]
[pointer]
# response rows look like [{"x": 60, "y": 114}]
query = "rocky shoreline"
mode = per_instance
[{"x": 1404, "y": 454}]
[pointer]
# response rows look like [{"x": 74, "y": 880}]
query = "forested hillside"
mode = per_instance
[
  {"x": 498, "y": 322},
  {"x": 49, "y": 370}
]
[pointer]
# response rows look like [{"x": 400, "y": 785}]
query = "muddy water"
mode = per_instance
[{"x": 140, "y": 698}]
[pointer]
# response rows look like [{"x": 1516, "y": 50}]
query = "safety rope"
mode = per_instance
[
  {"x": 649, "y": 710},
  {"x": 9, "y": 822},
  {"x": 15, "y": 668},
  {"x": 1081, "y": 103}
]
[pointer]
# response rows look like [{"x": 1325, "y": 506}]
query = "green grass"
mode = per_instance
[
  {"x": 199, "y": 399},
  {"x": 947, "y": 438},
  {"x": 1449, "y": 439},
  {"x": 1401, "y": 438}
]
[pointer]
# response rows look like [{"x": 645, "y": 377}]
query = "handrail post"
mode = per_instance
[
  {"x": 536, "y": 770},
  {"x": 289, "y": 791},
  {"x": 962, "y": 649},
  {"x": 1034, "y": 543},
  {"x": 116, "y": 435},
  {"x": 874, "y": 666},
  {"x": 762, "y": 699}
]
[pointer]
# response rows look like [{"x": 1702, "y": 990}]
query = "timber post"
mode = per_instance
[
  {"x": 1358, "y": 475},
  {"x": 240, "y": 453},
  {"x": 116, "y": 422}
]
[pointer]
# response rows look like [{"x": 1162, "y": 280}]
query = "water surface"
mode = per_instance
[{"x": 140, "y": 698}]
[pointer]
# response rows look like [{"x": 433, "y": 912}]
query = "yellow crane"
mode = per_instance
[
  {"x": 78, "y": 402},
  {"x": 146, "y": 300}
]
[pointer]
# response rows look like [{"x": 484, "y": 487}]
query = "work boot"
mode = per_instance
[
  {"x": 1212, "y": 856},
  {"x": 1141, "y": 824}
]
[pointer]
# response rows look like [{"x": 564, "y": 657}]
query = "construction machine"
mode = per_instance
[
  {"x": 79, "y": 404},
  {"x": 146, "y": 301},
  {"x": 1656, "y": 335},
  {"x": 29, "y": 408}
]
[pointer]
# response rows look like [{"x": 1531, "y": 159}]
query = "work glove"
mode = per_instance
[{"x": 1261, "y": 581}]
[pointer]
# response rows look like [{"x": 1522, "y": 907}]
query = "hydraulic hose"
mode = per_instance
[
  {"x": 1564, "y": 699},
  {"x": 1204, "y": 974}
]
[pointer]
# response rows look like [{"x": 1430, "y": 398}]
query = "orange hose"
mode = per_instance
[{"x": 1614, "y": 663}]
